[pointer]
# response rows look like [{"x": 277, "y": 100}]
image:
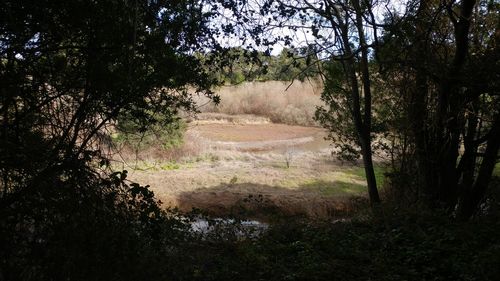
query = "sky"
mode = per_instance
[{"x": 301, "y": 37}]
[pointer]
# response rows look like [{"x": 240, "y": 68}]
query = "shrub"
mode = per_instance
[{"x": 166, "y": 133}]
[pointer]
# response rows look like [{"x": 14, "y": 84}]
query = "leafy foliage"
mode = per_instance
[
  {"x": 406, "y": 245},
  {"x": 443, "y": 72},
  {"x": 73, "y": 230},
  {"x": 68, "y": 72},
  {"x": 336, "y": 117},
  {"x": 166, "y": 132},
  {"x": 245, "y": 65}
]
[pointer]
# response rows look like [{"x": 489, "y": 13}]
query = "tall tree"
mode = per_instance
[
  {"x": 356, "y": 89},
  {"x": 68, "y": 69},
  {"x": 450, "y": 51},
  {"x": 451, "y": 113},
  {"x": 341, "y": 31}
]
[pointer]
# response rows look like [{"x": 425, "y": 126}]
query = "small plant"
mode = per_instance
[
  {"x": 213, "y": 157},
  {"x": 233, "y": 180},
  {"x": 170, "y": 166},
  {"x": 289, "y": 154}
]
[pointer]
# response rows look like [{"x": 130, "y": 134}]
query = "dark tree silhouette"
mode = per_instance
[{"x": 68, "y": 69}]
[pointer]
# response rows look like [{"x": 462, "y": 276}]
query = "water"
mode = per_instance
[{"x": 244, "y": 228}]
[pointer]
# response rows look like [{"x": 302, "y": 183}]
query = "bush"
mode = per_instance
[
  {"x": 90, "y": 228},
  {"x": 118, "y": 232},
  {"x": 164, "y": 132}
]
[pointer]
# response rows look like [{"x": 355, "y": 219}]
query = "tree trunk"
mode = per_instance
[
  {"x": 365, "y": 131},
  {"x": 362, "y": 122},
  {"x": 451, "y": 108},
  {"x": 470, "y": 202},
  {"x": 437, "y": 137},
  {"x": 371, "y": 181},
  {"x": 417, "y": 111}
]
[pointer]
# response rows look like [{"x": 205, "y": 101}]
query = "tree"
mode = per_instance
[
  {"x": 340, "y": 31},
  {"x": 451, "y": 113},
  {"x": 68, "y": 70},
  {"x": 449, "y": 52},
  {"x": 355, "y": 91}
]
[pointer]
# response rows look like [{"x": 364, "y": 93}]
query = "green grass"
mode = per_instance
[
  {"x": 359, "y": 173},
  {"x": 496, "y": 170},
  {"x": 155, "y": 166},
  {"x": 346, "y": 182},
  {"x": 334, "y": 188}
]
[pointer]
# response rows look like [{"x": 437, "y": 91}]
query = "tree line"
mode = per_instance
[{"x": 242, "y": 65}]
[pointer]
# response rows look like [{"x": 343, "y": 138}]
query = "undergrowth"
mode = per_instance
[{"x": 394, "y": 245}]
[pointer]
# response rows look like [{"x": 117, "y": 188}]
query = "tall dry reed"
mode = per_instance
[{"x": 282, "y": 102}]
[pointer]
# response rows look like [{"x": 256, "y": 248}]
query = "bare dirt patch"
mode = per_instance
[
  {"x": 221, "y": 118},
  {"x": 258, "y": 137},
  {"x": 253, "y": 132}
]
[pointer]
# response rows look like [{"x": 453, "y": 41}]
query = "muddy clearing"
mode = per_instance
[{"x": 254, "y": 170}]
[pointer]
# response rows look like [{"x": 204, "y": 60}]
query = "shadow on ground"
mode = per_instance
[{"x": 259, "y": 201}]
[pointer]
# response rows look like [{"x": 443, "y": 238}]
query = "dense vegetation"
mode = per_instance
[
  {"x": 71, "y": 72},
  {"x": 402, "y": 246},
  {"x": 68, "y": 71},
  {"x": 252, "y": 65}
]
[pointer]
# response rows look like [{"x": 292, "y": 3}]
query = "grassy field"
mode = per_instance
[
  {"x": 251, "y": 155},
  {"x": 236, "y": 171}
]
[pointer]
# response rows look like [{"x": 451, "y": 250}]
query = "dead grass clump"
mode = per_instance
[{"x": 294, "y": 106}]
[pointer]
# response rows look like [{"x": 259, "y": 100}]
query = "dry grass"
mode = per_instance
[
  {"x": 236, "y": 160},
  {"x": 127, "y": 157},
  {"x": 229, "y": 182},
  {"x": 240, "y": 165},
  {"x": 224, "y": 187},
  {"x": 263, "y": 202},
  {"x": 294, "y": 106}
]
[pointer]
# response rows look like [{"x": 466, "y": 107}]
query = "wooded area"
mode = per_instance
[{"x": 417, "y": 82}]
